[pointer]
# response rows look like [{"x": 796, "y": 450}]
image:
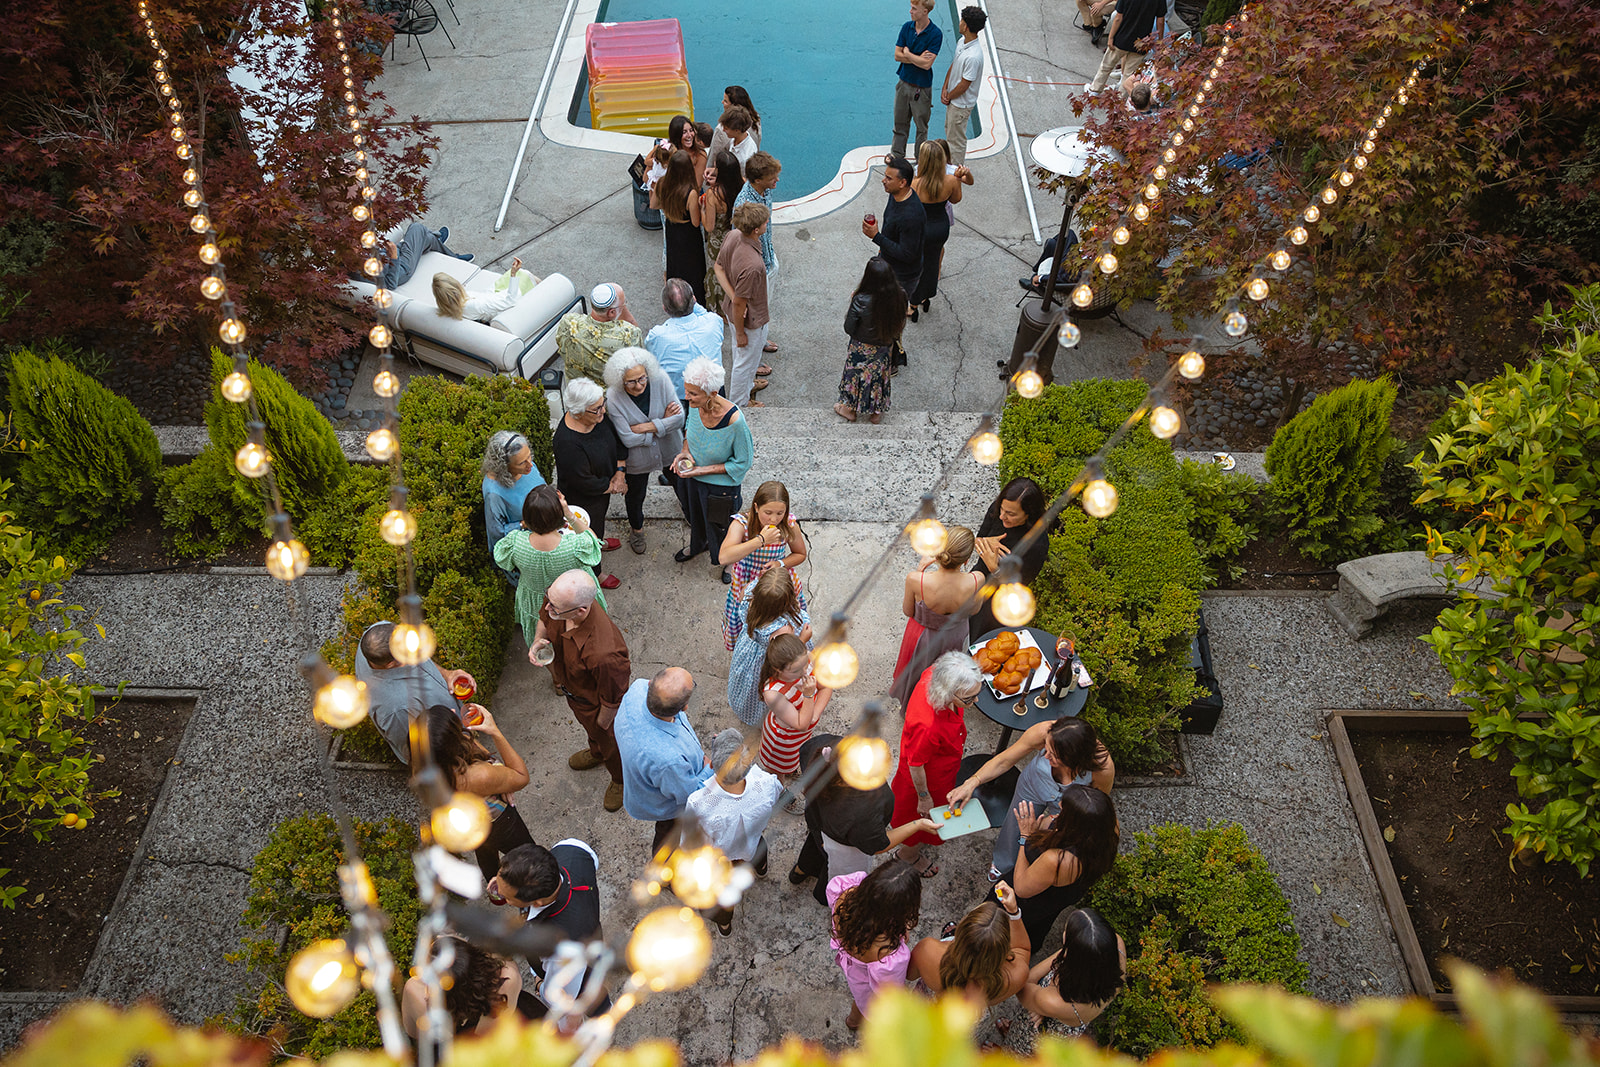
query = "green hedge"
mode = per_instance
[
  {"x": 1225, "y": 505},
  {"x": 1126, "y": 586},
  {"x": 1194, "y": 907},
  {"x": 1326, "y": 468},
  {"x": 90, "y": 455},
  {"x": 294, "y": 884}
]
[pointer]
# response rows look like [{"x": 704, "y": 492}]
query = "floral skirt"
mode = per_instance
[{"x": 865, "y": 384}]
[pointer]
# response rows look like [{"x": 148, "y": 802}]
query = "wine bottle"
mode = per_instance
[{"x": 1062, "y": 678}]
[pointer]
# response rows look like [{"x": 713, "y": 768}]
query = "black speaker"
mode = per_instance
[{"x": 1201, "y": 716}]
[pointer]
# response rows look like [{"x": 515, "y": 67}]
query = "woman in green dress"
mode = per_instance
[
  {"x": 553, "y": 539},
  {"x": 723, "y": 182}
]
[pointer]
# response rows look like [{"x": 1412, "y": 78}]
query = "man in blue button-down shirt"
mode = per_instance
[
  {"x": 689, "y": 332},
  {"x": 662, "y": 761},
  {"x": 915, "y": 50}
]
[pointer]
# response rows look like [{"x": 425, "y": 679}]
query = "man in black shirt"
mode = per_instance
[
  {"x": 898, "y": 234},
  {"x": 558, "y": 885},
  {"x": 1132, "y": 23}
]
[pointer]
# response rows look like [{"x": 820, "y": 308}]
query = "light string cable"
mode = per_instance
[{"x": 324, "y": 976}]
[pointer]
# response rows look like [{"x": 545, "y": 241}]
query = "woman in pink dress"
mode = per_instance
[
  {"x": 873, "y": 916},
  {"x": 931, "y": 741},
  {"x": 934, "y": 597}
]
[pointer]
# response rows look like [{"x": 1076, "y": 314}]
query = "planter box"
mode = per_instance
[{"x": 1419, "y": 973}]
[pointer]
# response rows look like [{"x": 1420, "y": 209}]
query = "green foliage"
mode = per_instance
[
  {"x": 329, "y": 532},
  {"x": 1220, "y": 11},
  {"x": 45, "y": 762},
  {"x": 1225, "y": 506},
  {"x": 199, "y": 507},
  {"x": 1206, "y": 905},
  {"x": 294, "y": 884},
  {"x": 90, "y": 455},
  {"x": 1517, "y": 463},
  {"x": 1127, "y": 586},
  {"x": 444, "y": 426},
  {"x": 1326, "y": 466}
]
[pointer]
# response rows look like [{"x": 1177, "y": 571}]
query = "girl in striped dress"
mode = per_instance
[
  {"x": 758, "y": 539},
  {"x": 795, "y": 704}
]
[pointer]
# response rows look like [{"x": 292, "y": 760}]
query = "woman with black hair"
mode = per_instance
[
  {"x": 1060, "y": 857},
  {"x": 723, "y": 181},
  {"x": 470, "y": 768},
  {"x": 736, "y": 96},
  {"x": 874, "y": 322},
  {"x": 873, "y": 916},
  {"x": 1067, "y": 992},
  {"x": 1008, "y": 520},
  {"x": 477, "y": 987}
]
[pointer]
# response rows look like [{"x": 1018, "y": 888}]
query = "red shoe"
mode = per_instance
[
  {"x": 610, "y": 544},
  {"x": 610, "y": 581}
]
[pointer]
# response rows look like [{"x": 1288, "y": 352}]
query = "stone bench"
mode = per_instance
[{"x": 1370, "y": 585}]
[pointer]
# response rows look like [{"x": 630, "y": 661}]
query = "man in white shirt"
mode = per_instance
[
  {"x": 733, "y": 808},
  {"x": 961, "y": 83}
]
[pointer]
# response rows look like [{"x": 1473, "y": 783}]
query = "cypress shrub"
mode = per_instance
[
  {"x": 1326, "y": 467},
  {"x": 1126, "y": 586},
  {"x": 90, "y": 454}
]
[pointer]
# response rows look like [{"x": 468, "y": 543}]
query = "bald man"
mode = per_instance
[{"x": 662, "y": 761}]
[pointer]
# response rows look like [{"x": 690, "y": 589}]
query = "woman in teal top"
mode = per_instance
[
  {"x": 508, "y": 476},
  {"x": 552, "y": 540},
  {"x": 717, "y": 453}
]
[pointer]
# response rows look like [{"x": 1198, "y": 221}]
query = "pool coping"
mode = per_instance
[{"x": 848, "y": 181}]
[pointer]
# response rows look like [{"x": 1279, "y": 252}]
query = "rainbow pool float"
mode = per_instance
[{"x": 638, "y": 78}]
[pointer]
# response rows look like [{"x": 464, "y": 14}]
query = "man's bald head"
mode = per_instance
[{"x": 669, "y": 692}]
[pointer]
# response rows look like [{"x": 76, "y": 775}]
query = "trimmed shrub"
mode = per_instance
[
  {"x": 200, "y": 509},
  {"x": 330, "y": 531},
  {"x": 1223, "y": 522},
  {"x": 1127, "y": 586},
  {"x": 90, "y": 455},
  {"x": 1194, "y": 907},
  {"x": 294, "y": 884},
  {"x": 1326, "y": 467}
]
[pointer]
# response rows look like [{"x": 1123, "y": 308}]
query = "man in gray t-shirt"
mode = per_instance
[
  {"x": 961, "y": 83},
  {"x": 394, "y": 690}
]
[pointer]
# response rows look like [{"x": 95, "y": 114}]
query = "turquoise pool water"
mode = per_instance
[{"x": 822, "y": 75}]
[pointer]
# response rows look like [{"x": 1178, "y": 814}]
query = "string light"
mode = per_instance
[
  {"x": 322, "y": 978},
  {"x": 835, "y": 663},
  {"x": 462, "y": 823},
  {"x": 926, "y": 533},
  {"x": 1141, "y": 212},
  {"x": 1027, "y": 381},
  {"x": 385, "y": 383},
  {"x": 412, "y": 644},
  {"x": 1108, "y": 263},
  {"x": 1013, "y": 604},
  {"x": 1192, "y": 364},
  {"x": 669, "y": 949},
  {"x": 1235, "y": 323},
  {"x": 985, "y": 443},
  {"x": 1299, "y": 235},
  {"x": 1279, "y": 259},
  {"x": 287, "y": 560},
  {"x": 212, "y": 288},
  {"x": 1121, "y": 235},
  {"x": 1083, "y": 295},
  {"x": 252, "y": 460},
  {"x": 397, "y": 527},
  {"x": 342, "y": 702},
  {"x": 232, "y": 331},
  {"x": 1164, "y": 421},
  {"x": 863, "y": 756},
  {"x": 236, "y": 387},
  {"x": 1099, "y": 496},
  {"x": 381, "y": 444},
  {"x": 1257, "y": 288},
  {"x": 1069, "y": 335},
  {"x": 700, "y": 874}
]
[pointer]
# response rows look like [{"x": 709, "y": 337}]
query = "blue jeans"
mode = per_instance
[{"x": 418, "y": 239}]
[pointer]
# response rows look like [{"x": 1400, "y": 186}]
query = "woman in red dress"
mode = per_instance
[{"x": 931, "y": 741}]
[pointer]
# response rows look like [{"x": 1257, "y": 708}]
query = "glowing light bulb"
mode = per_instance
[
  {"x": 412, "y": 645},
  {"x": 355, "y": 124},
  {"x": 1194, "y": 111},
  {"x": 1329, "y": 194},
  {"x": 1257, "y": 289},
  {"x": 1013, "y": 604},
  {"x": 232, "y": 331},
  {"x": 212, "y": 288},
  {"x": 1140, "y": 212},
  {"x": 1108, "y": 263},
  {"x": 1028, "y": 383},
  {"x": 349, "y": 83},
  {"x": 1401, "y": 98},
  {"x": 1312, "y": 213},
  {"x": 397, "y": 527},
  {"x": 927, "y": 536},
  {"x": 382, "y": 298},
  {"x": 1387, "y": 111},
  {"x": 200, "y": 223},
  {"x": 1380, "y": 123},
  {"x": 1121, "y": 235},
  {"x": 863, "y": 761},
  {"x": 1345, "y": 178},
  {"x": 1164, "y": 422},
  {"x": 236, "y": 388},
  {"x": 1206, "y": 85},
  {"x": 251, "y": 460},
  {"x": 1099, "y": 500},
  {"x": 369, "y": 239},
  {"x": 986, "y": 448},
  {"x": 341, "y": 703},
  {"x": 462, "y": 823},
  {"x": 1083, "y": 296},
  {"x": 1152, "y": 191},
  {"x": 1188, "y": 125},
  {"x": 1160, "y": 173},
  {"x": 669, "y": 949},
  {"x": 192, "y": 198},
  {"x": 322, "y": 978},
  {"x": 209, "y": 253},
  {"x": 380, "y": 336},
  {"x": 381, "y": 444},
  {"x": 362, "y": 175},
  {"x": 1069, "y": 335},
  {"x": 287, "y": 560},
  {"x": 1200, "y": 98},
  {"x": 1360, "y": 162},
  {"x": 361, "y": 157},
  {"x": 1169, "y": 155},
  {"x": 1177, "y": 138},
  {"x": 835, "y": 665},
  {"x": 1299, "y": 235},
  {"x": 361, "y": 212},
  {"x": 386, "y": 383},
  {"x": 191, "y": 176},
  {"x": 178, "y": 134},
  {"x": 1235, "y": 323},
  {"x": 372, "y": 266},
  {"x": 1279, "y": 259},
  {"x": 1191, "y": 364},
  {"x": 699, "y": 875}
]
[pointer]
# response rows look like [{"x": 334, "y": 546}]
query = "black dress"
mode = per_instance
[
  {"x": 585, "y": 465},
  {"x": 686, "y": 254},
  {"x": 935, "y": 232},
  {"x": 983, "y": 619},
  {"x": 1040, "y": 910}
]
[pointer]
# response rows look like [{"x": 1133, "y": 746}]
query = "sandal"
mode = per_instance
[
  {"x": 875, "y": 418},
  {"x": 759, "y": 384},
  {"x": 927, "y": 870},
  {"x": 770, "y": 346},
  {"x": 948, "y": 930},
  {"x": 763, "y": 370},
  {"x": 845, "y": 412}
]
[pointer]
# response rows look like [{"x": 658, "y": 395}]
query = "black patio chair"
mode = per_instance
[{"x": 419, "y": 19}]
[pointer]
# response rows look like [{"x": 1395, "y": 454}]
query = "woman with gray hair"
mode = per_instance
[
  {"x": 717, "y": 453},
  {"x": 590, "y": 461},
  {"x": 931, "y": 741},
  {"x": 644, "y": 409},
  {"x": 734, "y": 807},
  {"x": 508, "y": 475}
]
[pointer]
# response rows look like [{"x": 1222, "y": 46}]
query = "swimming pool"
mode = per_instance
[{"x": 822, "y": 76}]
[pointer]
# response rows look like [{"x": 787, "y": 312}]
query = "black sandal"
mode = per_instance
[{"x": 683, "y": 555}]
